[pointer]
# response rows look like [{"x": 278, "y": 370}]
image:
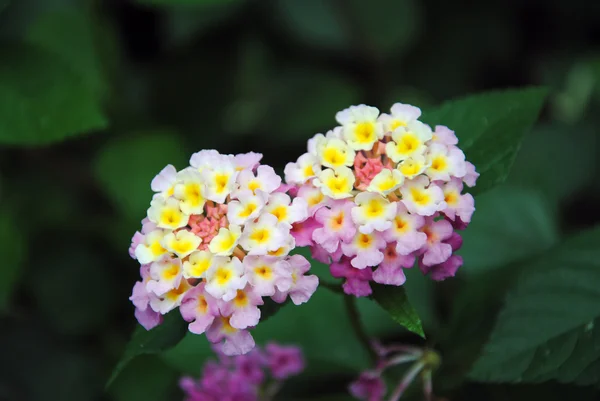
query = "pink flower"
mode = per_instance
[
  {"x": 336, "y": 225},
  {"x": 357, "y": 280},
  {"x": 302, "y": 286},
  {"x": 444, "y": 135},
  {"x": 235, "y": 341},
  {"x": 459, "y": 205},
  {"x": 390, "y": 270},
  {"x": 199, "y": 308},
  {"x": 365, "y": 249},
  {"x": 405, "y": 231},
  {"x": 243, "y": 309},
  {"x": 137, "y": 239},
  {"x": 443, "y": 270},
  {"x": 284, "y": 361},
  {"x": 267, "y": 274},
  {"x": 148, "y": 318},
  {"x": 319, "y": 253},
  {"x": 248, "y": 161},
  {"x": 249, "y": 367},
  {"x": 140, "y": 298},
  {"x": 435, "y": 250},
  {"x": 369, "y": 387},
  {"x": 165, "y": 275},
  {"x": 313, "y": 197},
  {"x": 303, "y": 231},
  {"x": 165, "y": 180},
  {"x": 471, "y": 175}
]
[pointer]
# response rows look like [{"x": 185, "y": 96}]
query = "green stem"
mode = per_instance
[{"x": 357, "y": 326}]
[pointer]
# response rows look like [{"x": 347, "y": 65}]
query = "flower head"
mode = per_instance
[
  {"x": 383, "y": 191},
  {"x": 215, "y": 242},
  {"x": 244, "y": 377}
]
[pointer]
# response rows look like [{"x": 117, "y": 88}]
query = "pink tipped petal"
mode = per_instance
[
  {"x": 303, "y": 289},
  {"x": 148, "y": 318},
  {"x": 436, "y": 254},
  {"x": 246, "y": 317},
  {"x": 389, "y": 275},
  {"x": 239, "y": 343}
]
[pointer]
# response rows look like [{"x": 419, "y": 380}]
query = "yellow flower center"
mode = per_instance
[
  {"x": 365, "y": 132},
  {"x": 374, "y": 208},
  {"x": 365, "y": 241},
  {"x": 223, "y": 275},
  {"x": 260, "y": 235},
  {"x": 334, "y": 157},
  {"x": 439, "y": 163},
  {"x": 408, "y": 144},
  {"x": 248, "y": 210},
  {"x": 265, "y": 272},
  {"x": 202, "y": 304},
  {"x": 280, "y": 212},
  {"x": 241, "y": 299},
  {"x": 170, "y": 272},
  {"x": 420, "y": 197}
]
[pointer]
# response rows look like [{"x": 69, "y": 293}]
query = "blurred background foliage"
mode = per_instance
[{"x": 97, "y": 96}]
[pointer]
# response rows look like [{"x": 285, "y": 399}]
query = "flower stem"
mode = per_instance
[
  {"x": 408, "y": 378},
  {"x": 357, "y": 326}
]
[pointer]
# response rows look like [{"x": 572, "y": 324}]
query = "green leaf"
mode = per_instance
[
  {"x": 510, "y": 224},
  {"x": 12, "y": 248},
  {"x": 128, "y": 184},
  {"x": 395, "y": 302},
  {"x": 70, "y": 36},
  {"x": 42, "y": 98},
  {"x": 547, "y": 329},
  {"x": 490, "y": 127},
  {"x": 143, "y": 342},
  {"x": 373, "y": 27},
  {"x": 147, "y": 378},
  {"x": 536, "y": 165}
]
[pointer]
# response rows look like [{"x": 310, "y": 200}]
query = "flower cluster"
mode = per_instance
[
  {"x": 245, "y": 377},
  {"x": 215, "y": 242},
  {"x": 383, "y": 190}
]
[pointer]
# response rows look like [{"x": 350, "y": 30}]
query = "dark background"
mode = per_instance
[{"x": 265, "y": 76}]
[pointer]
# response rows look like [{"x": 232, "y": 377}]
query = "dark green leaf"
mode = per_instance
[
  {"x": 536, "y": 165},
  {"x": 490, "y": 127},
  {"x": 147, "y": 378},
  {"x": 161, "y": 338},
  {"x": 42, "y": 98},
  {"x": 395, "y": 302},
  {"x": 70, "y": 37},
  {"x": 552, "y": 309},
  {"x": 510, "y": 224},
  {"x": 127, "y": 183},
  {"x": 378, "y": 26}
]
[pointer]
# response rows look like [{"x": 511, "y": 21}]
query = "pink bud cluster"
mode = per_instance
[
  {"x": 383, "y": 191},
  {"x": 251, "y": 377},
  {"x": 215, "y": 242}
]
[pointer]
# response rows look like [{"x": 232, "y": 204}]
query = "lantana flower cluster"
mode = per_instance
[
  {"x": 383, "y": 190},
  {"x": 215, "y": 243},
  {"x": 255, "y": 376}
]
